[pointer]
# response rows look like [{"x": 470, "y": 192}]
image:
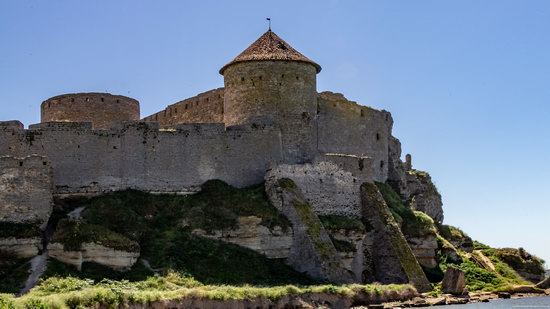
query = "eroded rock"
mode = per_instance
[
  {"x": 275, "y": 243},
  {"x": 91, "y": 252},
  {"x": 312, "y": 250},
  {"x": 454, "y": 281},
  {"x": 393, "y": 259}
]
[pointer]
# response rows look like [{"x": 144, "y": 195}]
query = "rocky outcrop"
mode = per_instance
[
  {"x": 454, "y": 281},
  {"x": 274, "y": 243},
  {"x": 545, "y": 284},
  {"x": 350, "y": 244},
  {"x": 525, "y": 264},
  {"x": 393, "y": 259},
  {"x": 91, "y": 252},
  {"x": 76, "y": 242},
  {"x": 21, "y": 247},
  {"x": 423, "y": 195},
  {"x": 456, "y": 237},
  {"x": 424, "y": 249},
  {"x": 312, "y": 250}
]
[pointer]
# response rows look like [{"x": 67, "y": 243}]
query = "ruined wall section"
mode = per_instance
[
  {"x": 25, "y": 190},
  {"x": 206, "y": 107},
  {"x": 138, "y": 155},
  {"x": 331, "y": 184},
  {"x": 101, "y": 109},
  {"x": 347, "y": 127}
]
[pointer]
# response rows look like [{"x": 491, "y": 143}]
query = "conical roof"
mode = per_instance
[{"x": 270, "y": 47}]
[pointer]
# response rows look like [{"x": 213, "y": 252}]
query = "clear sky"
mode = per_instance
[{"x": 467, "y": 81}]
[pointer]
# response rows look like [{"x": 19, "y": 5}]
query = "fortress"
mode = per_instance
[
  {"x": 266, "y": 125},
  {"x": 269, "y": 113},
  {"x": 263, "y": 181}
]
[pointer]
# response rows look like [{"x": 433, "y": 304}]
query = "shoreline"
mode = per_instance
[{"x": 425, "y": 300}]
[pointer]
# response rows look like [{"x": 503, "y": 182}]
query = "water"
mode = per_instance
[{"x": 529, "y": 302}]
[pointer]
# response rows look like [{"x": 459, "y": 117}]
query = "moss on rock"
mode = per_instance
[
  {"x": 380, "y": 216},
  {"x": 336, "y": 223},
  {"x": 413, "y": 223},
  {"x": 72, "y": 234}
]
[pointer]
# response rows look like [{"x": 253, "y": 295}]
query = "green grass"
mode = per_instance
[
  {"x": 79, "y": 293},
  {"x": 336, "y": 223},
  {"x": 95, "y": 271},
  {"x": 72, "y": 234}
]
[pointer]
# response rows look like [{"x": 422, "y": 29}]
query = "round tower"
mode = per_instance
[
  {"x": 101, "y": 109},
  {"x": 270, "y": 83}
]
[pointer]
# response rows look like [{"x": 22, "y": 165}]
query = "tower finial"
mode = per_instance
[{"x": 269, "y": 23}]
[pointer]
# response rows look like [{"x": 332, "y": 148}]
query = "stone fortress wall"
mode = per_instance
[
  {"x": 332, "y": 179},
  {"x": 349, "y": 128},
  {"x": 269, "y": 113},
  {"x": 206, "y": 107},
  {"x": 101, "y": 109},
  {"x": 174, "y": 156},
  {"x": 25, "y": 190},
  {"x": 139, "y": 155}
]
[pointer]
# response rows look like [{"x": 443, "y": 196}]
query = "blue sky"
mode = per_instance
[{"x": 467, "y": 81}]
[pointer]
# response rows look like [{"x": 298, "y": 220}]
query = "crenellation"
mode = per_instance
[{"x": 206, "y": 107}]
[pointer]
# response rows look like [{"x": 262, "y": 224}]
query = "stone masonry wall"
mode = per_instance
[
  {"x": 346, "y": 127},
  {"x": 101, "y": 109},
  {"x": 331, "y": 184},
  {"x": 206, "y": 107},
  {"x": 282, "y": 93},
  {"x": 25, "y": 190},
  {"x": 138, "y": 155}
]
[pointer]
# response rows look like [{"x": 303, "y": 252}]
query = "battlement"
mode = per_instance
[
  {"x": 340, "y": 102},
  {"x": 101, "y": 109},
  {"x": 61, "y": 125},
  {"x": 206, "y": 107},
  {"x": 27, "y": 162},
  {"x": 11, "y": 125}
]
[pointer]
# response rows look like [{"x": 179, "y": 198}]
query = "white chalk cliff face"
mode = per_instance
[
  {"x": 21, "y": 247},
  {"x": 274, "y": 242},
  {"x": 91, "y": 252}
]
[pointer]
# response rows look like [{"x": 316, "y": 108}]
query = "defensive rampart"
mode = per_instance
[
  {"x": 206, "y": 107},
  {"x": 138, "y": 155},
  {"x": 348, "y": 128}
]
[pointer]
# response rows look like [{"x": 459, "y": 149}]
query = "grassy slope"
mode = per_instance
[
  {"x": 73, "y": 292},
  {"x": 415, "y": 223},
  {"x": 162, "y": 226}
]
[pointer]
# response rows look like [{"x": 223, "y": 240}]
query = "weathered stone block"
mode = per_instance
[{"x": 454, "y": 281}]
